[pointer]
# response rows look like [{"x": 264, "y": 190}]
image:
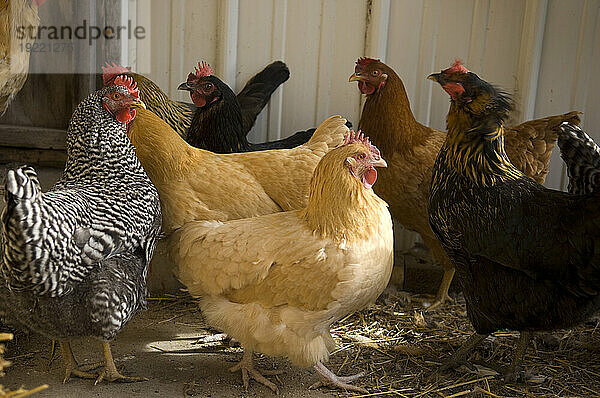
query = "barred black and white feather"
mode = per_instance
[
  {"x": 582, "y": 157},
  {"x": 75, "y": 258}
]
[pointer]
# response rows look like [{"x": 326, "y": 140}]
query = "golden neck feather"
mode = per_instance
[
  {"x": 476, "y": 150},
  {"x": 339, "y": 206},
  {"x": 161, "y": 151}
]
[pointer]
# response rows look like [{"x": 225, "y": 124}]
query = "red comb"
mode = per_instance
[
  {"x": 203, "y": 69},
  {"x": 364, "y": 61},
  {"x": 457, "y": 66},
  {"x": 110, "y": 71},
  {"x": 353, "y": 137},
  {"x": 128, "y": 82}
]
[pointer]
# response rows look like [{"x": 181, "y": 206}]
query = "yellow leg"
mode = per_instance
[
  {"x": 110, "y": 372},
  {"x": 439, "y": 254},
  {"x": 71, "y": 367}
]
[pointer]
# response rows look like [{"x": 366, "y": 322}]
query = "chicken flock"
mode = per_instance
[{"x": 279, "y": 240}]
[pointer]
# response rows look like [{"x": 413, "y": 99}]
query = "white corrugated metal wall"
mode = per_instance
[{"x": 546, "y": 52}]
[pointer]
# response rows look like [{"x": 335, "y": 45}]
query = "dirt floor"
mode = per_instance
[{"x": 398, "y": 345}]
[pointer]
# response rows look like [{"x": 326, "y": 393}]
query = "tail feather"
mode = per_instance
[
  {"x": 529, "y": 145},
  {"x": 582, "y": 157},
  {"x": 331, "y": 132},
  {"x": 22, "y": 184},
  {"x": 257, "y": 92}
]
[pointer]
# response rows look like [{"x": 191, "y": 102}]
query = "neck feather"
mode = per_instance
[
  {"x": 218, "y": 128},
  {"x": 475, "y": 149},
  {"x": 340, "y": 208},
  {"x": 388, "y": 119},
  {"x": 160, "y": 149}
]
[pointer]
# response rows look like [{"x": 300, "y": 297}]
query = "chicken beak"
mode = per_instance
[
  {"x": 379, "y": 163},
  {"x": 184, "y": 86},
  {"x": 356, "y": 78},
  {"x": 139, "y": 102},
  {"x": 435, "y": 77}
]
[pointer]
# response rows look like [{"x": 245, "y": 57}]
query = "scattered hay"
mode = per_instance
[
  {"x": 400, "y": 347},
  {"x": 21, "y": 392}
]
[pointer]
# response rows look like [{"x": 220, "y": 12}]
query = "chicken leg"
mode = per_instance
[
  {"x": 439, "y": 255},
  {"x": 246, "y": 366},
  {"x": 110, "y": 372},
  {"x": 71, "y": 366},
  {"x": 460, "y": 356},
  {"x": 329, "y": 378},
  {"x": 512, "y": 373}
]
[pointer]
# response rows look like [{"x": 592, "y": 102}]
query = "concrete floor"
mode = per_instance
[{"x": 158, "y": 344}]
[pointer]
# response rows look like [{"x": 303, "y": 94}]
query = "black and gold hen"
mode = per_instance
[{"x": 527, "y": 257}]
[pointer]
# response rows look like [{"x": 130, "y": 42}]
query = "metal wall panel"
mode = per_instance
[{"x": 545, "y": 52}]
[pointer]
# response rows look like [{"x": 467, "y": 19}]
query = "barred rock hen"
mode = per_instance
[
  {"x": 277, "y": 282},
  {"x": 411, "y": 147},
  {"x": 527, "y": 257},
  {"x": 74, "y": 259},
  {"x": 218, "y": 121},
  {"x": 195, "y": 184},
  {"x": 252, "y": 99},
  {"x": 582, "y": 157}
]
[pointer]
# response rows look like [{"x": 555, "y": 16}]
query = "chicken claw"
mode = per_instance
[
  {"x": 460, "y": 356},
  {"x": 328, "y": 378},
  {"x": 248, "y": 371},
  {"x": 71, "y": 366},
  {"x": 110, "y": 372}
]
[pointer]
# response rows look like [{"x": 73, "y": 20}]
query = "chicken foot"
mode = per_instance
[
  {"x": 110, "y": 372},
  {"x": 439, "y": 254},
  {"x": 511, "y": 374},
  {"x": 71, "y": 366},
  {"x": 246, "y": 366},
  {"x": 328, "y": 378},
  {"x": 460, "y": 356}
]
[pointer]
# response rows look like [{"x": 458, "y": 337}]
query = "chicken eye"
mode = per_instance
[
  {"x": 208, "y": 86},
  {"x": 360, "y": 156},
  {"x": 116, "y": 96},
  {"x": 375, "y": 73}
]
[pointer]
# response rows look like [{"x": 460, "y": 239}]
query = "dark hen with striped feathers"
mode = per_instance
[
  {"x": 527, "y": 257},
  {"x": 178, "y": 114}
]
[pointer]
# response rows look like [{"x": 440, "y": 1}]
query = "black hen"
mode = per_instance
[
  {"x": 253, "y": 97},
  {"x": 218, "y": 123},
  {"x": 582, "y": 157},
  {"x": 527, "y": 257}
]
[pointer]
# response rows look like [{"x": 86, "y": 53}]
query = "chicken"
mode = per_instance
[
  {"x": 74, "y": 260},
  {"x": 252, "y": 99},
  {"x": 277, "y": 282},
  {"x": 527, "y": 257},
  {"x": 195, "y": 184},
  {"x": 411, "y": 148},
  {"x": 582, "y": 157},
  {"x": 218, "y": 121},
  {"x": 14, "y": 61}
]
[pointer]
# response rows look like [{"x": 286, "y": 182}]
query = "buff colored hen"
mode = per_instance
[
  {"x": 196, "y": 184},
  {"x": 277, "y": 282},
  {"x": 14, "y": 59}
]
